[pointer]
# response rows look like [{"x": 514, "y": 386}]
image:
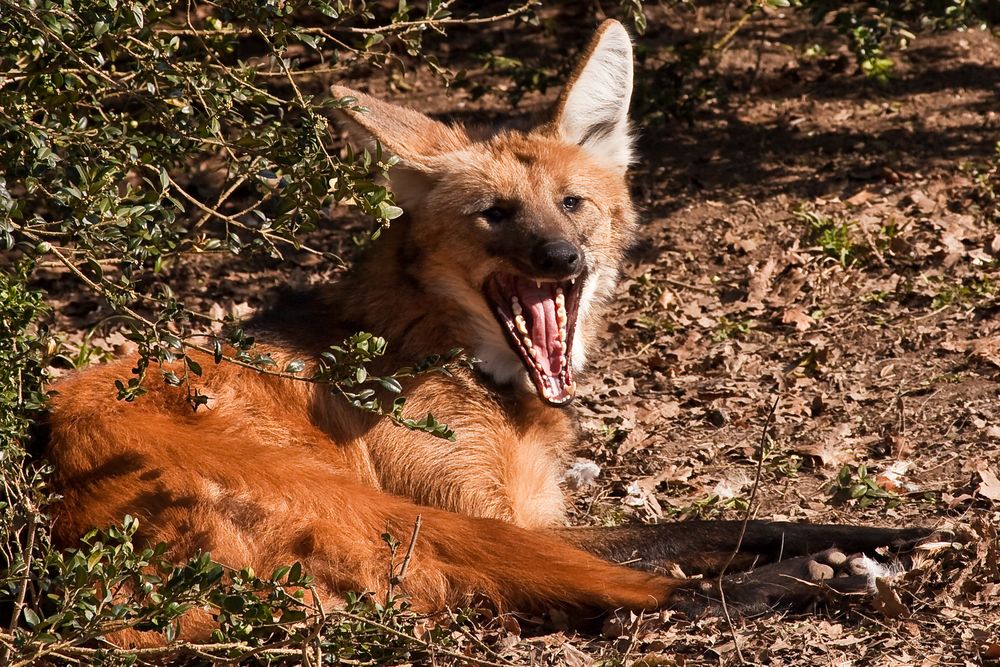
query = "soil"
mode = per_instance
[{"x": 881, "y": 349}]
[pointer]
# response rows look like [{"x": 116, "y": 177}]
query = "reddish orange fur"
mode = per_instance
[{"x": 276, "y": 471}]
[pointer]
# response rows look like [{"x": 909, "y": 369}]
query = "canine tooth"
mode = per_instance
[
  {"x": 572, "y": 281},
  {"x": 538, "y": 284}
]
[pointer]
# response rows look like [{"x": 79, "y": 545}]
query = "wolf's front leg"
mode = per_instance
[
  {"x": 706, "y": 547},
  {"x": 795, "y": 584}
]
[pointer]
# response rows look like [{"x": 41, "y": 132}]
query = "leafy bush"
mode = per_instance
[{"x": 106, "y": 110}]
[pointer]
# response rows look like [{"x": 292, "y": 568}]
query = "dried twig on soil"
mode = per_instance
[
  {"x": 22, "y": 587},
  {"x": 743, "y": 527}
]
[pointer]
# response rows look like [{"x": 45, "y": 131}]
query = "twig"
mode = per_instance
[
  {"x": 75, "y": 270},
  {"x": 931, "y": 314},
  {"x": 409, "y": 549},
  {"x": 728, "y": 37},
  {"x": 66, "y": 650},
  {"x": 319, "y": 626},
  {"x": 465, "y": 632},
  {"x": 640, "y": 353},
  {"x": 874, "y": 247},
  {"x": 22, "y": 587},
  {"x": 392, "y": 27},
  {"x": 426, "y": 645},
  {"x": 743, "y": 528},
  {"x": 32, "y": 16},
  {"x": 696, "y": 288}
]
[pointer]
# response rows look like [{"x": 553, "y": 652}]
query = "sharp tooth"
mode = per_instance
[
  {"x": 538, "y": 284},
  {"x": 522, "y": 326},
  {"x": 572, "y": 281},
  {"x": 560, "y": 298}
]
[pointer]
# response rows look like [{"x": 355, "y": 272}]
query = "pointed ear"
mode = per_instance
[
  {"x": 593, "y": 108},
  {"x": 403, "y": 132}
]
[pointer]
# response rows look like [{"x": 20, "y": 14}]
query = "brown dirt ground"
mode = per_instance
[{"x": 729, "y": 302}]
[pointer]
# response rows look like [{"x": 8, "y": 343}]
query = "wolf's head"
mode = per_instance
[{"x": 523, "y": 232}]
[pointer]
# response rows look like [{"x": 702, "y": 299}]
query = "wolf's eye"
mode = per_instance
[
  {"x": 495, "y": 215},
  {"x": 570, "y": 203}
]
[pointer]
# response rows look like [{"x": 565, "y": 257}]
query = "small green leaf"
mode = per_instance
[
  {"x": 193, "y": 365},
  {"x": 391, "y": 384},
  {"x": 31, "y": 618}
]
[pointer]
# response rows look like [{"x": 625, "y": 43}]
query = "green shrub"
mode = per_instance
[{"x": 106, "y": 109}]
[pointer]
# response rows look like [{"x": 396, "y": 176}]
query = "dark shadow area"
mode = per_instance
[{"x": 726, "y": 154}]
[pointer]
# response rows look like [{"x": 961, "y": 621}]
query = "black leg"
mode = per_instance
[
  {"x": 706, "y": 546},
  {"x": 796, "y": 584}
]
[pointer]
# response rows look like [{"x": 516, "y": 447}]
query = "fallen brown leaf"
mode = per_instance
[
  {"x": 887, "y": 601},
  {"x": 989, "y": 487}
]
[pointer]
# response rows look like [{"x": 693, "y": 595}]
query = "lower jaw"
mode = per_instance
[{"x": 556, "y": 393}]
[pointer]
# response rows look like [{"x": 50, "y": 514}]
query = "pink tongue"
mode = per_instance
[{"x": 540, "y": 301}]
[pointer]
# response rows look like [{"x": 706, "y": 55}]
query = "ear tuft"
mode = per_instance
[{"x": 593, "y": 109}]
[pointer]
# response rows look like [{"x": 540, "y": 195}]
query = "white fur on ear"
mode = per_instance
[{"x": 593, "y": 110}]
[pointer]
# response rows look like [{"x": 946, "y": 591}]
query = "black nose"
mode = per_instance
[{"x": 557, "y": 259}]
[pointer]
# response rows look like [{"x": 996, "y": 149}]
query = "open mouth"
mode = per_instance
[{"x": 539, "y": 319}]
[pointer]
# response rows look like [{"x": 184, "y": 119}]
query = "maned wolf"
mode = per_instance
[{"x": 510, "y": 245}]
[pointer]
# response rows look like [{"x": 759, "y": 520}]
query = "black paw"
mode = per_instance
[{"x": 795, "y": 584}]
